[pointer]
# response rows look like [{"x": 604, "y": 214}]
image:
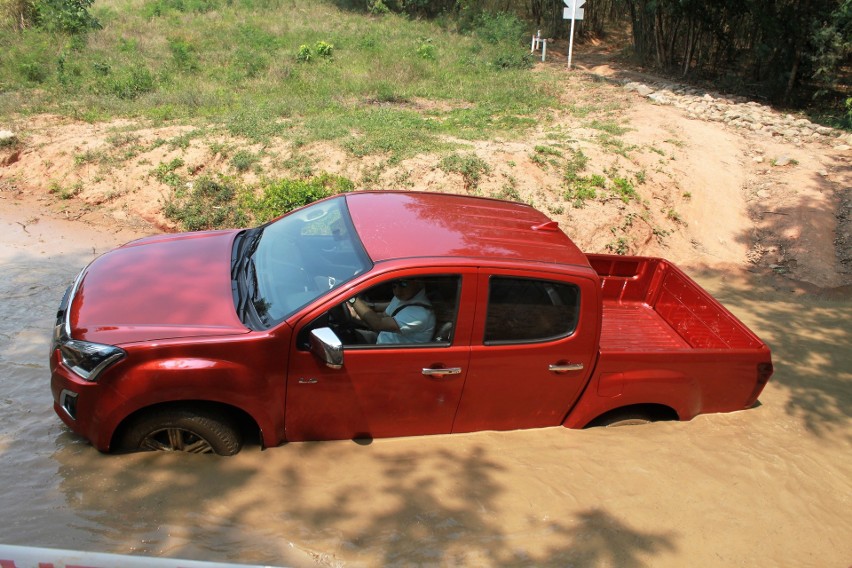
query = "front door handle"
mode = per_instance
[
  {"x": 442, "y": 371},
  {"x": 561, "y": 368}
]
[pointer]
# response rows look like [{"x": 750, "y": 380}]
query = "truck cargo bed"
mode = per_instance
[{"x": 651, "y": 305}]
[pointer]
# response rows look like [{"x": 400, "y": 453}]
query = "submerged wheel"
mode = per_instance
[
  {"x": 190, "y": 430},
  {"x": 628, "y": 421}
]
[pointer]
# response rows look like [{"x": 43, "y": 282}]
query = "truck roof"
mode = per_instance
[{"x": 401, "y": 224}]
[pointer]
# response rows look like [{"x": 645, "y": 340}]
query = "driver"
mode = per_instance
[{"x": 407, "y": 318}]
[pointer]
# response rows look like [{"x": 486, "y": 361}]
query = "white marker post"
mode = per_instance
[{"x": 572, "y": 11}]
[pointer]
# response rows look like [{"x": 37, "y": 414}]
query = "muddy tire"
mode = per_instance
[
  {"x": 627, "y": 419},
  {"x": 191, "y": 430}
]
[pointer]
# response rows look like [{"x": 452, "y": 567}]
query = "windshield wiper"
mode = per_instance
[{"x": 244, "y": 276}]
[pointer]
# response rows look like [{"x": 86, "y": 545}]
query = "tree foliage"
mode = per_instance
[
  {"x": 59, "y": 16},
  {"x": 785, "y": 50}
]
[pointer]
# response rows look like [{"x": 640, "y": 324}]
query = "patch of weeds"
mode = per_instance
[
  {"x": 675, "y": 142},
  {"x": 426, "y": 50},
  {"x": 122, "y": 139},
  {"x": 555, "y": 209},
  {"x": 166, "y": 173},
  {"x": 508, "y": 191},
  {"x": 620, "y": 246},
  {"x": 546, "y": 155},
  {"x": 281, "y": 196},
  {"x": 616, "y": 145},
  {"x": 624, "y": 189},
  {"x": 656, "y": 150},
  {"x": 183, "y": 140},
  {"x": 130, "y": 83},
  {"x": 673, "y": 215},
  {"x": 243, "y": 160},
  {"x": 641, "y": 177},
  {"x": 608, "y": 126},
  {"x": 576, "y": 164},
  {"x": 581, "y": 189},
  {"x": 63, "y": 192},
  {"x": 660, "y": 234},
  {"x": 184, "y": 55},
  {"x": 208, "y": 204},
  {"x": 687, "y": 195},
  {"x": 87, "y": 157},
  {"x": 470, "y": 166},
  {"x": 300, "y": 164},
  {"x": 219, "y": 148},
  {"x": 306, "y": 53}
]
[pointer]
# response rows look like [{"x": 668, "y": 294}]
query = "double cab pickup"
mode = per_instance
[{"x": 380, "y": 314}]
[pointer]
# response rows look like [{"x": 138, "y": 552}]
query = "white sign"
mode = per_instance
[{"x": 571, "y": 11}]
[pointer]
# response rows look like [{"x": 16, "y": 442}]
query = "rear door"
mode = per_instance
[{"x": 533, "y": 346}]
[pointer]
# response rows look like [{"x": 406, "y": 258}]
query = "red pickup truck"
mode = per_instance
[{"x": 386, "y": 314}]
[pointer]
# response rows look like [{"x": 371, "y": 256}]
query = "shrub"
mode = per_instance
[
  {"x": 65, "y": 16},
  {"x": 323, "y": 49},
  {"x": 281, "y": 196},
  {"x": 130, "y": 83},
  {"x": 304, "y": 54},
  {"x": 470, "y": 166},
  {"x": 209, "y": 204}
]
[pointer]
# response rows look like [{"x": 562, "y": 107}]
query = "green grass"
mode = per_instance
[{"x": 165, "y": 60}]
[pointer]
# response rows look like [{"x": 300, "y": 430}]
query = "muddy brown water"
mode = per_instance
[{"x": 769, "y": 486}]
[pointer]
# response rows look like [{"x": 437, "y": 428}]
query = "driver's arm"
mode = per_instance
[{"x": 377, "y": 321}]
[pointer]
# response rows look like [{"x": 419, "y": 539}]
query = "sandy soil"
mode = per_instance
[{"x": 766, "y": 487}]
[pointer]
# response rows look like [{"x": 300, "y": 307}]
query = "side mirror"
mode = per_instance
[{"x": 327, "y": 347}]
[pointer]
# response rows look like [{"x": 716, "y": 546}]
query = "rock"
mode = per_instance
[
  {"x": 8, "y": 138},
  {"x": 842, "y": 148},
  {"x": 781, "y": 161},
  {"x": 660, "y": 97},
  {"x": 763, "y": 194},
  {"x": 644, "y": 90},
  {"x": 824, "y": 130},
  {"x": 849, "y": 140},
  {"x": 758, "y": 159}
]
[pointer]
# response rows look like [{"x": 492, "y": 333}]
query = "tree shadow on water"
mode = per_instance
[
  {"x": 449, "y": 508},
  {"x": 810, "y": 334}
]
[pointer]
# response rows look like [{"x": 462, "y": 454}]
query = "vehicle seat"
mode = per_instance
[{"x": 443, "y": 332}]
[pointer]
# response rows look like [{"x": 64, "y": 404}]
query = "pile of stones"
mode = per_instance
[{"x": 740, "y": 112}]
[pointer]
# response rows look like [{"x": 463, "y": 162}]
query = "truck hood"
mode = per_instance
[{"x": 162, "y": 287}]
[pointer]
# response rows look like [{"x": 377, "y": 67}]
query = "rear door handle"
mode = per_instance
[
  {"x": 561, "y": 368},
  {"x": 442, "y": 371}
]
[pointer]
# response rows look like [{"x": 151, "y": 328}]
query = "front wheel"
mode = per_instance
[{"x": 190, "y": 430}]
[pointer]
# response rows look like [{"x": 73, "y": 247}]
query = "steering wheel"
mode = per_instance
[{"x": 340, "y": 315}]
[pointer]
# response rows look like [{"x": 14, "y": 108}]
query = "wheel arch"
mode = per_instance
[
  {"x": 654, "y": 412},
  {"x": 246, "y": 423}
]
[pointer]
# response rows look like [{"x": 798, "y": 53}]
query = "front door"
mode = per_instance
[
  {"x": 533, "y": 347},
  {"x": 386, "y": 390}
]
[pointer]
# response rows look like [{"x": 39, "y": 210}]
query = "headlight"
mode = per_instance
[{"x": 89, "y": 359}]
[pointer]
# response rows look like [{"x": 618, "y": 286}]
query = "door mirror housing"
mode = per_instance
[{"x": 327, "y": 347}]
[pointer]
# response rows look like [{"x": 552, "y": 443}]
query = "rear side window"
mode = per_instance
[{"x": 528, "y": 310}]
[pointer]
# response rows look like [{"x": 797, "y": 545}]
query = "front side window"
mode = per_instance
[
  {"x": 528, "y": 310},
  {"x": 423, "y": 309}
]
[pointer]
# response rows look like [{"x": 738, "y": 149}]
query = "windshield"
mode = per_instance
[{"x": 287, "y": 264}]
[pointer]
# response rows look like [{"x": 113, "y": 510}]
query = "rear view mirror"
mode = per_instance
[{"x": 327, "y": 347}]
